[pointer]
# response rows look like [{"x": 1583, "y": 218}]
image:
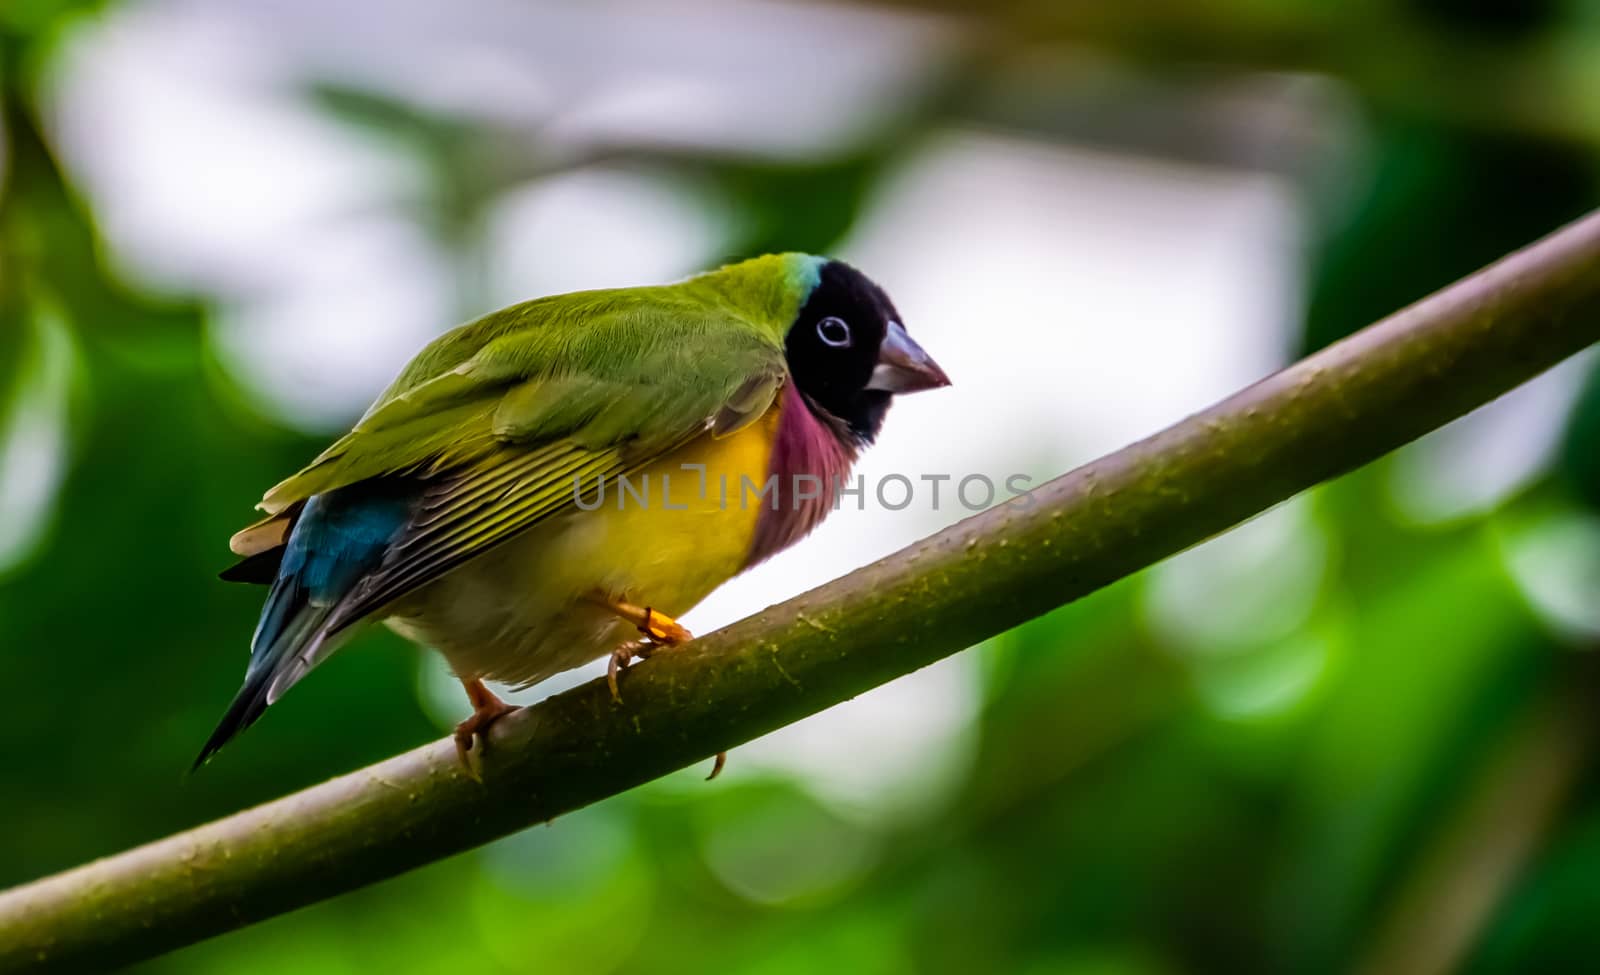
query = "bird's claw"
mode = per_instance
[
  {"x": 486, "y": 710},
  {"x": 621, "y": 657},
  {"x": 659, "y": 630}
]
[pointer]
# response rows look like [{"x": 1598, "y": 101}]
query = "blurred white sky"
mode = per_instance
[{"x": 1079, "y": 300}]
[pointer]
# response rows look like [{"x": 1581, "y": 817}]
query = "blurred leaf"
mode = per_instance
[
  {"x": 1580, "y": 450},
  {"x": 1427, "y": 217},
  {"x": 33, "y": 18},
  {"x": 1435, "y": 656},
  {"x": 1549, "y": 926},
  {"x": 789, "y": 207}
]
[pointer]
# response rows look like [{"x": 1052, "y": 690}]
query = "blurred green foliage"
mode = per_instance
[{"x": 1115, "y": 822}]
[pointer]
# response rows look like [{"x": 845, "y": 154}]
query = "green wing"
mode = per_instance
[{"x": 500, "y": 417}]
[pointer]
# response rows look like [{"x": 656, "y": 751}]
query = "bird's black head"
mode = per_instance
[{"x": 849, "y": 354}]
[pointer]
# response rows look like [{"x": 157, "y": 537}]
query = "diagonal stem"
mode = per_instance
[{"x": 1344, "y": 406}]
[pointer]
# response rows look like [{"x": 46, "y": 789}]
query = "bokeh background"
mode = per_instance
[{"x": 1356, "y": 734}]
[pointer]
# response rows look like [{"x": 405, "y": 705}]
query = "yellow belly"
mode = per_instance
[
  {"x": 664, "y": 539},
  {"x": 692, "y": 530}
]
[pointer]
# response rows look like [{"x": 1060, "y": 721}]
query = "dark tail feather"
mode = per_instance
[
  {"x": 336, "y": 539},
  {"x": 289, "y": 624},
  {"x": 247, "y": 706},
  {"x": 260, "y": 568}
]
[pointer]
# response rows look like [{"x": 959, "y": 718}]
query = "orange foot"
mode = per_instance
[
  {"x": 486, "y": 710},
  {"x": 659, "y": 628}
]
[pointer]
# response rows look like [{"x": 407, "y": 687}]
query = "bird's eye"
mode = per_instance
[{"x": 834, "y": 331}]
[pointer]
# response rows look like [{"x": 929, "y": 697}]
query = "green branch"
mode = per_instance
[{"x": 1341, "y": 408}]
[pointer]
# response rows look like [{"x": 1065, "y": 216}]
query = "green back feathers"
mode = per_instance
[
  {"x": 642, "y": 367},
  {"x": 622, "y": 329},
  {"x": 502, "y": 417}
]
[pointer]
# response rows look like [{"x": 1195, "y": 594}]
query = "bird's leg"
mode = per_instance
[
  {"x": 486, "y": 710},
  {"x": 659, "y": 630},
  {"x": 657, "y": 627}
]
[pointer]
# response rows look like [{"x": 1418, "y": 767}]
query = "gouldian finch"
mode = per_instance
[{"x": 559, "y": 480}]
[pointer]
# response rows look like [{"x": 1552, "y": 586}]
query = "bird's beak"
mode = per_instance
[{"x": 903, "y": 367}]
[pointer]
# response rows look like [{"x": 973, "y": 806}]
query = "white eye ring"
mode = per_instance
[{"x": 834, "y": 331}]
